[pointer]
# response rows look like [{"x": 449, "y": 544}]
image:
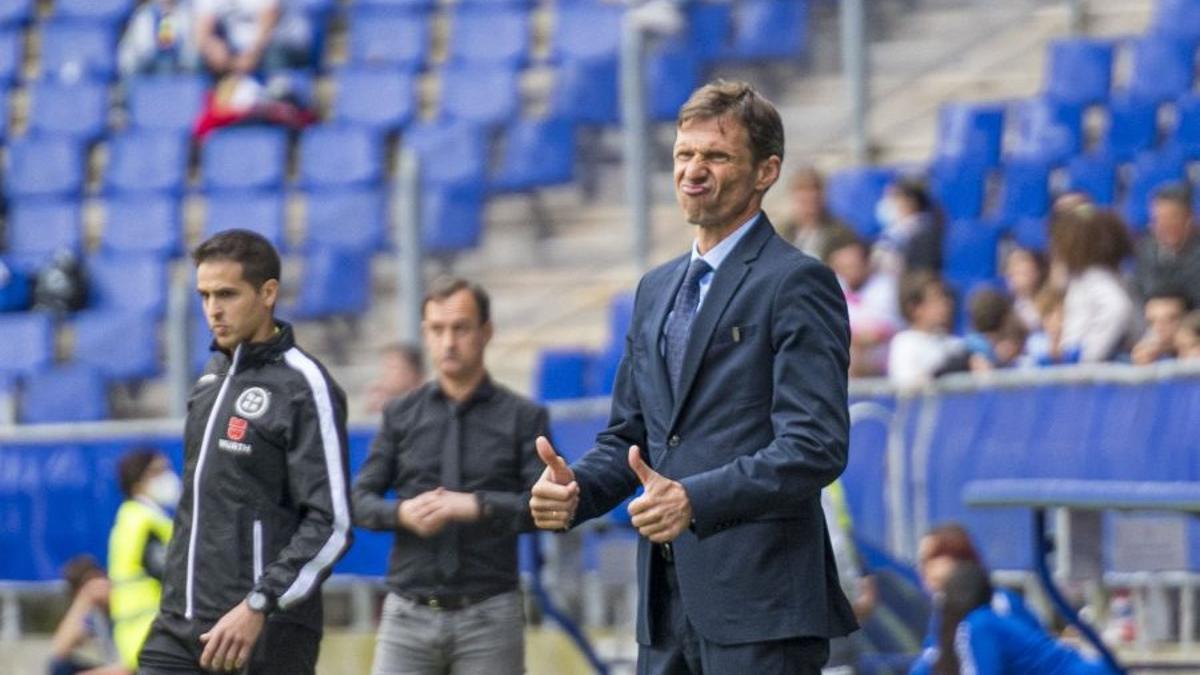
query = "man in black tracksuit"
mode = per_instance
[{"x": 265, "y": 512}]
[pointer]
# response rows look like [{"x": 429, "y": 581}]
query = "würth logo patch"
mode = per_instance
[{"x": 237, "y": 428}]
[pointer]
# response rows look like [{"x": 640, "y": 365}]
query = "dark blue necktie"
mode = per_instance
[{"x": 679, "y": 324}]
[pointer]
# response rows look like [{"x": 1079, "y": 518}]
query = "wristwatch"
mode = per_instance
[{"x": 260, "y": 602}]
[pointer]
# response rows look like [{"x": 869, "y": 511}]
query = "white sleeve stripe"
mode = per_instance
[{"x": 332, "y": 446}]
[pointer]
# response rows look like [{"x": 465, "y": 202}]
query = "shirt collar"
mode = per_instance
[
  {"x": 481, "y": 393},
  {"x": 717, "y": 254}
]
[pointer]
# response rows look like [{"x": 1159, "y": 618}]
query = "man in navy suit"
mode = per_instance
[{"x": 729, "y": 408}]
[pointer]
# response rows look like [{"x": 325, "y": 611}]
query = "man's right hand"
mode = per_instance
[
  {"x": 419, "y": 514},
  {"x": 555, "y": 495}
]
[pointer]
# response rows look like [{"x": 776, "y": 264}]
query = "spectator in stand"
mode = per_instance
[
  {"x": 912, "y": 229},
  {"x": 243, "y": 36},
  {"x": 1098, "y": 313},
  {"x": 1024, "y": 276},
  {"x": 870, "y": 302},
  {"x": 997, "y": 335},
  {"x": 1170, "y": 257},
  {"x": 1163, "y": 313},
  {"x": 159, "y": 40},
  {"x": 401, "y": 370},
  {"x": 1044, "y": 347},
  {"x": 926, "y": 348},
  {"x": 1187, "y": 338},
  {"x": 83, "y": 641},
  {"x": 811, "y": 227}
]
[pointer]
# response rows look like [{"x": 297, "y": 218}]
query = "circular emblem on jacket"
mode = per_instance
[{"x": 253, "y": 402}]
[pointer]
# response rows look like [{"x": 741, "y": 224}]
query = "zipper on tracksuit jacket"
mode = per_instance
[
  {"x": 205, "y": 441},
  {"x": 258, "y": 550}
]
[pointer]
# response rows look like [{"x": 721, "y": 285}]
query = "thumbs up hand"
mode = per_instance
[
  {"x": 663, "y": 511},
  {"x": 555, "y": 495}
]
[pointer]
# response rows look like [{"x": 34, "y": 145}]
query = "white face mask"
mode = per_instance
[
  {"x": 885, "y": 213},
  {"x": 165, "y": 489}
]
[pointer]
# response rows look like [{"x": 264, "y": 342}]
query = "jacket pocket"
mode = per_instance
[{"x": 257, "y": 549}]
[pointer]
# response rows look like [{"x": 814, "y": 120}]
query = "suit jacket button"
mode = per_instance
[{"x": 673, "y": 441}]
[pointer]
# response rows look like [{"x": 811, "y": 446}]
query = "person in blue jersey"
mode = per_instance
[
  {"x": 975, "y": 638},
  {"x": 939, "y": 553}
]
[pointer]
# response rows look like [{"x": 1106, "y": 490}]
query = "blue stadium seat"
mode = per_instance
[
  {"x": 122, "y": 346},
  {"x": 1079, "y": 71},
  {"x": 1026, "y": 190},
  {"x": 381, "y": 98},
  {"x": 261, "y": 212},
  {"x": 244, "y": 158},
  {"x": 143, "y": 224},
  {"x": 142, "y": 161},
  {"x": 1177, "y": 18},
  {"x": 710, "y": 28},
  {"x": 128, "y": 283},
  {"x": 45, "y": 166},
  {"x": 16, "y": 12},
  {"x": 1185, "y": 133},
  {"x": 73, "y": 49},
  {"x": 492, "y": 34},
  {"x": 1150, "y": 171},
  {"x": 673, "y": 71},
  {"x": 769, "y": 29},
  {"x": 340, "y": 156},
  {"x": 346, "y": 219},
  {"x": 970, "y": 132},
  {"x": 1047, "y": 130},
  {"x": 1030, "y": 233},
  {"x": 586, "y": 91},
  {"x": 563, "y": 374},
  {"x": 958, "y": 187},
  {"x": 38, "y": 227},
  {"x": 335, "y": 282},
  {"x": 166, "y": 102},
  {"x": 1095, "y": 175},
  {"x": 111, "y": 12},
  {"x": 10, "y": 54},
  {"x": 586, "y": 30},
  {"x": 28, "y": 339},
  {"x": 411, "y": 5},
  {"x": 487, "y": 95},
  {"x": 970, "y": 250},
  {"x": 1163, "y": 68},
  {"x": 620, "y": 314},
  {"x": 387, "y": 36},
  {"x": 201, "y": 342},
  {"x": 450, "y": 152},
  {"x": 78, "y": 109},
  {"x": 451, "y": 218},
  {"x": 1132, "y": 127},
  {"x": 853, "y": 193},
  {"x": 496, "y": 3},
  {"x": 68, "y": 393},
  {"x": 536, "y": 153}
]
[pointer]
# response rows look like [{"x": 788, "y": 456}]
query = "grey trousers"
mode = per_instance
[{"x": 487, "y": 638}]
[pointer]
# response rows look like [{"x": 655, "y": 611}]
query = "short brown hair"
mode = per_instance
[
  {"x": 1048, "y": 300},
  {"x": 913, "y": 289},
  {"x": 444, "y": 287},
  {"x": 988, "y": 309},
  {"x": 1085, "y": 236},
  {"x": 256, "y": 255},
  {"x": 743, "y": 103},
  {"x": 951, "y": 539},
  {"x": 132, "y": 466},
  {"x": 79, "y": 570}
]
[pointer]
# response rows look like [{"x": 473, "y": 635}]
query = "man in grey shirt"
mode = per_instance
[{"x": 459, "y": 454}]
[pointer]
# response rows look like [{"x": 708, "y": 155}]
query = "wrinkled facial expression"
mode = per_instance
[
  {"x": 1163, "y": 316},
  {"x": 1022, "y": 274},
  {"x": 236, "y": 311},
  {"x": 1170, "y": 223},
  {"x": 850, "y": 264},
  {"x": 717, "y": 182},
  {"x": 455, "y": 337}
]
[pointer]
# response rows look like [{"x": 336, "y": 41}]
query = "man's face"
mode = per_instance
[
  {"x": 1163, "y": 316},
  {"x": 1170, "y": 222},
  {"x": 717, "y": 182},
  {"x": 236, "y": 311},
  {"x": 454, "y": 336}
]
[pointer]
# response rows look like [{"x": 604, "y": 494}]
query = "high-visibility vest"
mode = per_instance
[{"x": 135, "y": 595}]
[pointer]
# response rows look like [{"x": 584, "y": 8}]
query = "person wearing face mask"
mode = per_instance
[{"x": 137, "y": 547}]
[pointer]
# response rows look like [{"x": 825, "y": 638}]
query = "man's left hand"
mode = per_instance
[
  {"x": 228, "y": 645},
  {"x": 663, "y": 511},
  {"x": 455, "y": 507}
]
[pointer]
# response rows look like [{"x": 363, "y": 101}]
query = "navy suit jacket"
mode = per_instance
[{"x": 760, "y": 426}]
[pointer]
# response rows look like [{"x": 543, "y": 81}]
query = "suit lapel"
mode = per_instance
[
  {"x": 726, "y": 280},
  {"x": 662, "y": 309}
]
